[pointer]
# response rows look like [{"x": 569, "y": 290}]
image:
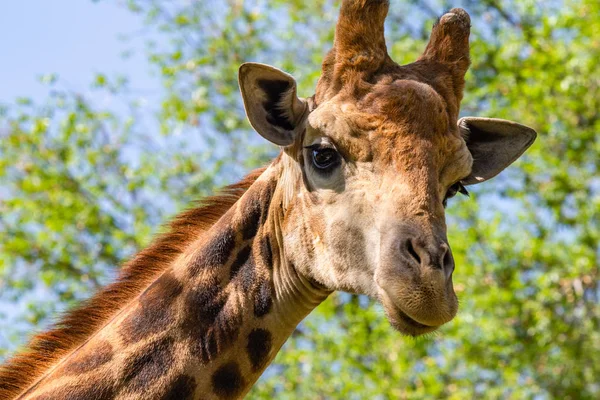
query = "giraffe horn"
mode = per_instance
[
  {"x": 359, "y": 48},
  {"x": 449, "y": 41}
]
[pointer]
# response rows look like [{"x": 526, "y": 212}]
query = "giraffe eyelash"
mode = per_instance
[{"x": 457, "y": 187}]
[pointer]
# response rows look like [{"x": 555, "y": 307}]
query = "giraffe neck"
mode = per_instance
[{"x": 207, "y": 327}]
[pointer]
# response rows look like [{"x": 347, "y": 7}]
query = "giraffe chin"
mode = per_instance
[
  {"x": 405, "y": 324},
  {"x": 401, "y": 321}
]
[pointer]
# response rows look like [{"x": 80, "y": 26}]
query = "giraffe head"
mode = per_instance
[{"x": 370, "y": 160}]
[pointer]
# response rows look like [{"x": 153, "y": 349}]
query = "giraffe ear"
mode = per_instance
[
  {"x": 494, "y": 145},
  {"x": 271, "y": 103}
]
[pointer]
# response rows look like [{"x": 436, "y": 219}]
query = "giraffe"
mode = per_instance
[{"x": 354, "y": 202}]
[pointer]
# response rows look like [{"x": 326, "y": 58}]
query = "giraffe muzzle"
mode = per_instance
[{"x": 415, "y": 280}]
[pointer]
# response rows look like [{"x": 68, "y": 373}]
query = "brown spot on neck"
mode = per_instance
[
  {"x": 259, "y": 347},
  {"x": 240, "y": 260},
  {"x": 93, "y": 358},
  {"x": 206, "y": 324},
  {"x": 266, "y": 252},
  {"x": 145, "y": 367},
  {"x": 227, "y": 381},
  {"x": 180, "y": 388},
  {"x": 263, "y": 298},
  {"x": 154, "y": 313},
  {"x": 216, "y": 252}
]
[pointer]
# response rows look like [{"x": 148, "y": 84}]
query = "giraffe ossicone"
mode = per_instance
[{"x": 354, "y": 202}]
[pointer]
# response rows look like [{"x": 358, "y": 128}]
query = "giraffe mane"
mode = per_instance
[{"x": 77, "y": 325}]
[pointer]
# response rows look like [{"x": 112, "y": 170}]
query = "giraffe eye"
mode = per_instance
[
  {"x": 324, "y": 158},
  {"x": 453, "y": 190}
]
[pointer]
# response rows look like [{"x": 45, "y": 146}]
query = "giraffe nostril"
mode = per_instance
[
  {"x": 435, "y": 254},
  {"x": 448, "y": 262},
  {"x": 445, "y": 259},
  {"x": 412, "y": 252}
]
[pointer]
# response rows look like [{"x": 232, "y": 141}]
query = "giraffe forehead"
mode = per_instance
[
  {"x": 394, "y": 118},
  {"x": 349, "y": 128},
  {"x": 408, "y": 113}
]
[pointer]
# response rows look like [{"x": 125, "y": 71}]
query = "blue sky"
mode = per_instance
[{"x": 73, "y": 38}]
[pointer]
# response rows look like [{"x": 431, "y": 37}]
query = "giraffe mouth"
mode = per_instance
[
  {"x": 403, "y": 322},
  {"x": 410, "y": 326}
]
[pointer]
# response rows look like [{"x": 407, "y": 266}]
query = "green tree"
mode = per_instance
[{"x": 83, "y": 188}]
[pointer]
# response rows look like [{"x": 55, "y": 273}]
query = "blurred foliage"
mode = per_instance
[{"x": 83, "y": 187}]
